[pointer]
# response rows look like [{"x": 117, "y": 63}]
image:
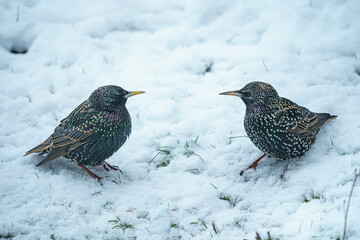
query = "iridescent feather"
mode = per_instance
[{"x": 93, "y": 131}]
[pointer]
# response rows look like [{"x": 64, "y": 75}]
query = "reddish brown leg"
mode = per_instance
[
  {"x": 91, "y": 173},
  {"x": 253, "y": 165},
  {"x": 105, "y": 167},
  {"x": 115, "y": 168},
  {"x": 283, "y": 174}
]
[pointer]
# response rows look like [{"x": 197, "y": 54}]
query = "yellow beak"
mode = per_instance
[
  {"x": 130, "y": 94},
  {"x": 231, "y": 93}
]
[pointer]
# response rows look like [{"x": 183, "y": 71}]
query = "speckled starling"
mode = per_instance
[
  {"x": 93, "y": 132},
  {"x": 276, "y": 125}
]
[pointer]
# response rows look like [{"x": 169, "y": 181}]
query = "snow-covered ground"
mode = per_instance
[{"x": 181, "y": 164}]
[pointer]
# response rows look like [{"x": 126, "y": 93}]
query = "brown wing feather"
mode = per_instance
[
  {"x": 72, "y": 132},
  {"x": 299, "y": 119}
]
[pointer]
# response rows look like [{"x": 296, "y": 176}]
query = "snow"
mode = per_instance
[{"x": 182, "y": 53}]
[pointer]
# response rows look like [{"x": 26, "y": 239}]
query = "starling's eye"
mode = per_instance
[{"x": 245, "y": 94}]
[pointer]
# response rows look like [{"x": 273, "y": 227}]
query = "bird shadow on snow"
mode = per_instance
[
  {"x": 62, "y": 165},
  {"x": 267, "y": 167},
  {"x": 272, "y": 168}
]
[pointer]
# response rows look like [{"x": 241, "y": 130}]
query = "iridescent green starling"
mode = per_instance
[
  {"x": 93, "y": 132},
  {"x": 276, "y": 125}
]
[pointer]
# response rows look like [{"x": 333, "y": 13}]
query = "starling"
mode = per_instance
[
  {"x": 276, "y": 125},
  {"x": 93, "y": 132}
]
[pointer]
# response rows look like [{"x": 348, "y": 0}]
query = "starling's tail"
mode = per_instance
[
  {"x": 326, "y": 117},
  {"x": 323, "y": 118},
  {"x": 52, "y": 155},
  {"x": 332, "y": 117},
  {"x": 38, "y": 149},
  {"x": 46, "y": 147}
]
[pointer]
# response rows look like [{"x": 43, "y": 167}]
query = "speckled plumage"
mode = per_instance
[
  {"x": 93, "y": 132},
  {"x": 276, "y": 125}
]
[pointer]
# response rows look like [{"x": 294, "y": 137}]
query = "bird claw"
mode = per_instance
[
  {"x": 283, "y": 174},
  {"x": 253, "y": 165},
  {"x": 99, "y": 179},
  {"x": 242, "y": 172},
  {"x": 282, "y": 177},
  {"x": 105, "y": 167},
  {"x": 113, "y": 167}
]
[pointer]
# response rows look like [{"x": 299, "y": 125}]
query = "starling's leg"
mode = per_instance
[
  {"x": 89, "y": 172},
  {"x": 254, "y": 164},
  {"x": 105, "y": 167},
  {"x": 283, "y": 174},
  {"x": 112, "y": 167}
]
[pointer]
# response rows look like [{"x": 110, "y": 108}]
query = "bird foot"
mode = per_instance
[
  {"x": 115, "y": 168},
  {"x": 253, "y": 165},
  {"x": 283, "y": 174},
  {"x": 105, "y": 167},
  {"x": 282, "y": 177},
  {"x": 91, "y": 173}
]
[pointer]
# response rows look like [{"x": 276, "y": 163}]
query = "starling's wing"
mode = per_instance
[
  {"x": 82, "y": 108},
  {"x": 298, "y": 119},
  {"x": 71, "y": 134},
  {"x": 46, "y": 146}
]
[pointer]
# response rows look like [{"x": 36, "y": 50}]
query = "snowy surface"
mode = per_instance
[{"x": 182, "y": 53}]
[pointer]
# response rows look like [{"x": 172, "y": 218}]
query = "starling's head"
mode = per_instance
[
  {"x": 110, "y": 97},
  {"x": 258, "y": 96}
]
